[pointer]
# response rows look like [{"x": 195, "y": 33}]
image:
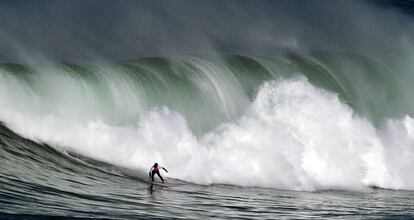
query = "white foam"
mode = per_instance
[{"x": 294, "y": 136}]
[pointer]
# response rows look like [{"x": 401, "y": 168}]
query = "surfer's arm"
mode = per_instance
[{"x": 149, "y": 173}]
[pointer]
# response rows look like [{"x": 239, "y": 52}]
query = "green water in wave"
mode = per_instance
[{"x": 207, "y": 92}]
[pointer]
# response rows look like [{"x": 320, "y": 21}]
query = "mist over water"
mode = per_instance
[{"x": 79, "y": 31}]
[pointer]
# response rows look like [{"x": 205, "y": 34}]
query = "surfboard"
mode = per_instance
[
  {"x": 169, "y": 183},
  {"x": 159, "y": 184}
]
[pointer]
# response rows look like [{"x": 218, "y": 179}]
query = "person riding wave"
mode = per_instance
[{"x": 155, "y": 170}]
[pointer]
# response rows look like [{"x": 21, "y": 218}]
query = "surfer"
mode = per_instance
[{"x": 155, "y": 170}]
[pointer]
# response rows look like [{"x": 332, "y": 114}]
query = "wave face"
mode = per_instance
[{"x": 300, "y": 122}]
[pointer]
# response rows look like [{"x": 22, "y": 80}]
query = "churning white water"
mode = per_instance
[{"x": 293, "y": 136}]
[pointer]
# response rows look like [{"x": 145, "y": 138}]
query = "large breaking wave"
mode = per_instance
[{"x": 301, "y": 122}]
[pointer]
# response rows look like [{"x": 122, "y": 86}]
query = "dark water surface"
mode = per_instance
[{"x": 126, "y": 198}]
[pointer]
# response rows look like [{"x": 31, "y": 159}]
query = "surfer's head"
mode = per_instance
[{"x": 155, "y": 164}]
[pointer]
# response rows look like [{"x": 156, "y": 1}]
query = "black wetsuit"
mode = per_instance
[{"x": 153, "y": 171}]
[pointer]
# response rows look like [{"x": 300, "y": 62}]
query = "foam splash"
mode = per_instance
[{"x": 293, "y": 136}]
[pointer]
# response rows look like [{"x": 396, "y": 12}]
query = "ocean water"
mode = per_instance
[
  {"x": 39, "y": 182},
  {"x": 259, "y": 110},
  {"x": 293, "y": 136}
]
